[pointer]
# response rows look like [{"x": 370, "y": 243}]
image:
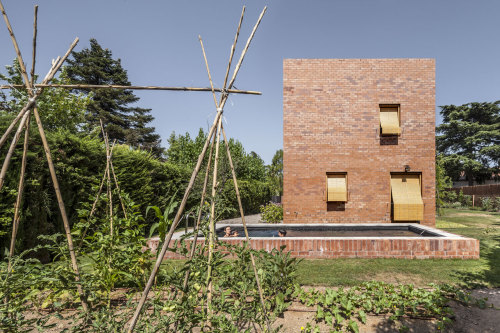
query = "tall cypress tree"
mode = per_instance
[{"x": 96, "y": 65}]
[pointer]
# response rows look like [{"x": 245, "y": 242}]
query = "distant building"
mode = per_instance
[{"x": 359, "y": 140}]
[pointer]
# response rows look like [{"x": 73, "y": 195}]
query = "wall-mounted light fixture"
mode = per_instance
[{"x": 407, "y": 168}]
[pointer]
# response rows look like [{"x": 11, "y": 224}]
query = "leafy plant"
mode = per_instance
[{"x": 272, "y": 213}]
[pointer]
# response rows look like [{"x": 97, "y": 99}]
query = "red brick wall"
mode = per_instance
[{"x": 331, "y": 124}]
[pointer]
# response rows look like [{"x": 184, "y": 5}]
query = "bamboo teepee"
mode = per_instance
[{"x": 22, "y": 119}]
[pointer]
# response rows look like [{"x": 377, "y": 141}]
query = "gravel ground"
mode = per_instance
[{"x": 249, "y": 219}]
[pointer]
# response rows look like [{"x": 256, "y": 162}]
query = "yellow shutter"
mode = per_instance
[
  {"x": 336, "y": 187},
  {"x": 389, "y": 120},
  {"x": 407, "y": 198}
]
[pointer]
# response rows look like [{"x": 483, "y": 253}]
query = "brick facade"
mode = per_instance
[
  {"x": 331, "y": 124},
  {"x": 317, "y": 248}
]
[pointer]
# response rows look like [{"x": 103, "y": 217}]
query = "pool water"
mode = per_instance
[{"x": 332, "y": 231}]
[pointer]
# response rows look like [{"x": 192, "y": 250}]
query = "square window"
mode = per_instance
[
  {"x": 336, "y": 186},
  {"x": 389, "y": 120},
  {"x": 406, "y": 190}
]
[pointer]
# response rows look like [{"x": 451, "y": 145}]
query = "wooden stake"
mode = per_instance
[
  {"x": 33, "y": 54},
  {"x": 237, "y": 195},
  {"x": 16, "y": 47},
  {"x": 94, "y": 204},
  {"x": 20, "y": 189},
  {"x": 175, "y": 223},
  {"x": 211, "y": 232},
  {"x": 198, "y": 221},
  {"x": 233, "y": 47},
  {"x": 108, "y": 178},
  {"x": 109, "y": 86},
  {"x": 15, "y": 221},
  {"x": 118, "y": 188},
  {"x": 209, "y": 76},
  {"x": 46, "y": 147},
  {"x": 261, "y": 294},
  {"x": 64, "y": 216},
  {"x": 244, "y": 52},
  {"x": 13, "y": 144}
]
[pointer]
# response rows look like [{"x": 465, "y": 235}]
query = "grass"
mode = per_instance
[{"x": 484, "y": 226}]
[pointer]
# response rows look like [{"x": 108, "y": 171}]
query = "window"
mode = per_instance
[
  {"x": 407, "y": 197},
  {"x": 389, "y": 120},
  {"x": 336, "y": 186}
]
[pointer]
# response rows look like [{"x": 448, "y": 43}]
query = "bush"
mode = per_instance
[
  {"x": 456, "y": 205},
  {"x": 487, "y": 203},
  {"x": 449, "y": 196},
  {"x": 467, "y": 201},
  {"x": 253, "y": 194},
  {"x": 272, "y": 213}
]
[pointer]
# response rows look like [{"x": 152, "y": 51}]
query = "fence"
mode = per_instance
[{"x": 478, "y": 192}]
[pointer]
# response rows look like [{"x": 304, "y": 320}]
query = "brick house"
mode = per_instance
[{"x": 359, "y": 140}]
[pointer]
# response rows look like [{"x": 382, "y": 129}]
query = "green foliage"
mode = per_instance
[
  {"x": 235, "y": 302},
  {"x": 340, "y": 308},
  {"x": 272, "y": 213},
  {"x": 469, "y": 140},
  {"x": 253, "y": 194},
  {"x": 126, "y": 124},
  {"x": 59, "y": 109},
  {"x": 487, "y": 203},
  {"x": 113, "y": 260},
  {"x": 443, "y": 182},
  {"x": 275, "y": 173}
]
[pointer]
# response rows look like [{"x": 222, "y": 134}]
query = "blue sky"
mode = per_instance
[{"x": 158, "y": 44}]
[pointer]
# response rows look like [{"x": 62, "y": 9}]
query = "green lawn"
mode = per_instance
[{"x": 484, "y": 226}]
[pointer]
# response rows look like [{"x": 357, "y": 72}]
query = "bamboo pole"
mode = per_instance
[
  {"x": 118, "y": 188},
  {"x": 244, "y": 52},
  {"x": 20, "y": 189},
  {"x": 233, "y": 47},
  {"x": 60, "y": 202},
  {"x": 94, "y": 204},
  {"x": 110, "y": 86},
  {"x": 46, "y": 147},
  {"x": 16, "y": 47},
  {"x": 175, "y": 223},
  {"x": 17, "y": 205},
  {"x": 168, "y": 237},
  {"x": 261, "y": 294},
  {"x": 33, "y": 53},
  {"x": 198, "y": 221},
  {"x": 108, "y": 178},
  {"x": 21, "y": 113},
  {"x": 209, "y": 76},
  {"x": 211, "y": 231},
  {"x": 12, "y": 147}
]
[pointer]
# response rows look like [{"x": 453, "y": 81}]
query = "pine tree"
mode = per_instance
[{"x": 128, "y": 125}]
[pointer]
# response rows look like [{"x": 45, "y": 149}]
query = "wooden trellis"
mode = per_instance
[{"x": 22, "y": 119}]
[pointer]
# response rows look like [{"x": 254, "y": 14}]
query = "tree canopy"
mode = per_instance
[
  {"x": 123, "y": 122},
  {"x": 469, "y": 140}
]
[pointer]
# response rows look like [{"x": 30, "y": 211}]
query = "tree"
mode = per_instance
[
  {"x": 59, "y": 108},
  {"x": 275, "y": 172},
  {"x": 470, "y": 140},
  {"x": 126, "y": 124}
]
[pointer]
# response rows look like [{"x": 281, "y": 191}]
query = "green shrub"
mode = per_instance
[
  {"x": 487, "y": 203},
  {"x": 449, "y": 196},
  {"x": 456, "y": 205},
  {"x": 467, "y": 201},
  {"x": 272, "y": 213}
]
